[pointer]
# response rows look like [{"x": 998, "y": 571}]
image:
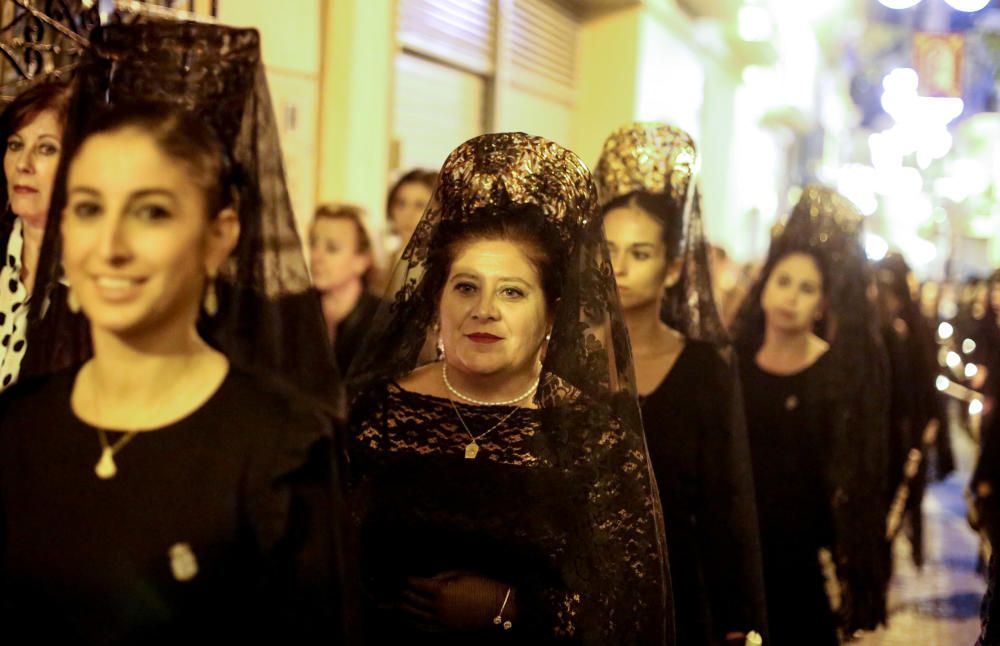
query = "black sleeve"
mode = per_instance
[
  {"x": 298, "y": 515},
  {"x": 726, "y": 513}
]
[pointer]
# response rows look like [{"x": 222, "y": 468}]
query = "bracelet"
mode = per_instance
[{"x": 498, "y": 620}]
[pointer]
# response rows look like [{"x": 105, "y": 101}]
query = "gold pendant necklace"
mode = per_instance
[
  {"x": 472, "y": 448},
  {"x": 106, "y": 467}
]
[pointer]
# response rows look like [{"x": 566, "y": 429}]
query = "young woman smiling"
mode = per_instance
[{"x": 164, "y": 491}]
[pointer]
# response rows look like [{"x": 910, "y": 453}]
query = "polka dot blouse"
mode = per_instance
[{"x": 13, "y": 310}]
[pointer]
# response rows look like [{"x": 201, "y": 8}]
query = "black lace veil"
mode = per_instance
[
  {"x": 268, "y": 320},
  {"x": 587, "y": 394},
  {"x": 660, "y": 159},
  {"x": 827, "y": 225}
]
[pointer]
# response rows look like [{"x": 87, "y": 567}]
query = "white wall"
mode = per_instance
[{"x": 290, "y": 43}]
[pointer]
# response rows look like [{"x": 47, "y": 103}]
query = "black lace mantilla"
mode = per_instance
[
  {"x": 589, "y": 442},
  {"x": 268, "y": 318},
  {"x": 827, "y": 225},
  {"x": 513, "y": 512}
]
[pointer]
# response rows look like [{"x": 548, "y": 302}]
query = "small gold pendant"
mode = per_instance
[
  {"x": 471, "y": 451},
  {"x": 106, "y": 468},
  {"x": 792, "y": 402},
  {"x": 183, "y": 563}
]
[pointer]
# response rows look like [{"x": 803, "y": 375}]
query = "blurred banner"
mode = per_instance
[{"x": 938, "y": 59}]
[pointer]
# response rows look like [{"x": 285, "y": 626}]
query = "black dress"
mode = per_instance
[
  {"x": 535, "y": 510},
  {"x": 216, "y": 527},
  {"x": 698, "y": 448},
  {"x": 352, "y": 330},
  {"x": 790, "y": 443}
]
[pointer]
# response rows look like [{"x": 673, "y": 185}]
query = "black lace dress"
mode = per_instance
[
  {"x": 702, "y": 465},
  {"x": 788, "y": 422},
  {"x": 532, "y": 510},
  {"x": 217, "y": 527}
]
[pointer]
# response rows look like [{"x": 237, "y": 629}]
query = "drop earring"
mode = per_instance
[
  {"x": 71, "y": 301},
  {"x": 211, "y": 300}
]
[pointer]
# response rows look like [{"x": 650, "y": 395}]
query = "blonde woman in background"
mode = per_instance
[{"x": 342, "y": 263}]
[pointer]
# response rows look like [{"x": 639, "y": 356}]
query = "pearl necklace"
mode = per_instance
[{"x": 444, "y": 374}]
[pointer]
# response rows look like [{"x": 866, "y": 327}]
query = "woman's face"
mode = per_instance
[
  {"x": 334, "y": 257},
  {"x": 30, "y": 163},
  {"x": 407, "y": 208},
  {"x": 639, "y": 257},
  {"x": 137, "y": 240},
  {"x": 793, "y": 294},
  {"x": 492, "y": 310}
]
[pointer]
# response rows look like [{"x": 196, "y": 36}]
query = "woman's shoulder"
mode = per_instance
[
  {"x": 254, "y": 395},
  {"x": 280, "y": 427},
  {"x": 699, "y": 366},
  {"x": 39, "y": 395},
  {"x": 369, "y": 303},
  {"x": 701, "y": 355},
  {"x": 423, "y": 380}
]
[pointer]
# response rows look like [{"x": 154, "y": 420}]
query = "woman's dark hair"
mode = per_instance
[
  {"x": 48, "y": 95},
  {"x": 662, "y": 208},
  {"x": 356, "y": 216},
  {"x": 523, "y": 224},
  {"x": 416, "y": 176},
  {"x": 817, "y": 257},
  {"x": 891, "y": 275},
  {"x": 181, "y": 135}
]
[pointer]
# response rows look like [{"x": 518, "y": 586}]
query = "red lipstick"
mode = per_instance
[{"x": 483, "y": 337}]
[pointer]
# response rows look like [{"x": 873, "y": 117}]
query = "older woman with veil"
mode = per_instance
[{"x": 501, "y": 481}]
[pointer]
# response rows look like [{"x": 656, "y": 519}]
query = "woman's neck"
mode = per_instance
[
  {"x": 339, "y": 302},
  {"x": 788, "y": 351},
  {"x": 496, "y": 387},
  {"x": 140, "y": 369},
  {"x": 786, "y": 342},
  {"x": 647, "y": 332}
]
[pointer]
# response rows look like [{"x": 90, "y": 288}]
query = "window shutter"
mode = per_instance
[{"x": 458, "y": 32}]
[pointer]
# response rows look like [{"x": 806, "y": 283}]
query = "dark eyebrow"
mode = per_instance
[
  {"x": 514, "y": 279},
  {"x": 136, "y": 195},
  {"x": 152, "y": 192},
  {"x": 642, "y": 244},
  {"x": 465, "y": 275}
]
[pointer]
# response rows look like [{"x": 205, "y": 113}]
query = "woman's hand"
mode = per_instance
[{"x": 455, "y": 601}]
